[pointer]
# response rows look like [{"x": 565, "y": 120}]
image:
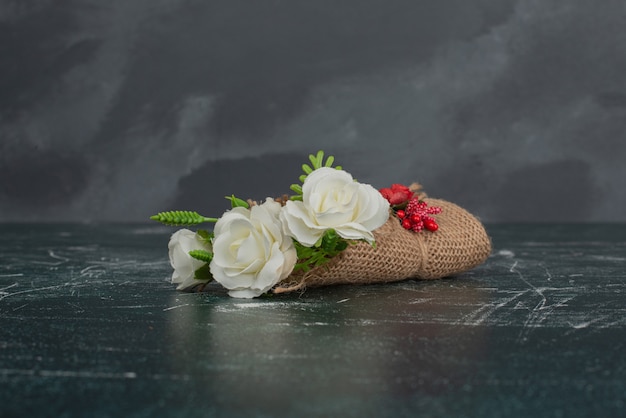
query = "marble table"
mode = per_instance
[{"x": 89, "y": 326}]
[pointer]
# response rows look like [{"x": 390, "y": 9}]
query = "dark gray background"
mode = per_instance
[{"x": 116, "y": 110}]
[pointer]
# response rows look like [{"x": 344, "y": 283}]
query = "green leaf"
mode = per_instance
[
  {"x": 235, "y": 202},
  {"x": 328, "y": 246},
  {"x": 181, "y": 218},
  {"x": 307, "y": 169},
  {"x": 205, "y": 235},
  {"x": 203, "y": 273}
]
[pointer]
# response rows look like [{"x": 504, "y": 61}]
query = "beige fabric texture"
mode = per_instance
[{"x": 460, "y": 244}]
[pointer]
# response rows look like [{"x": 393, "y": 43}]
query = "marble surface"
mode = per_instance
[{"x": 89, "y": 326}]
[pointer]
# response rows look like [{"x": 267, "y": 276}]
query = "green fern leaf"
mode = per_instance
[
  {"x": 296, "y": 188},
  {"x": 317, "y": 161},
  {"x": 201, "y": 255},
  {"x": 181, "y": 218}
]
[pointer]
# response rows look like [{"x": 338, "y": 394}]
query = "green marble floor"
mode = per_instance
[{"x": 89, "y": 326}]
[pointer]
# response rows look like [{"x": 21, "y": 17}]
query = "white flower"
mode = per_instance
[
  {"x": 181, "y": 242},
  {"x": 251, "y": 253},
  {"x": 331, "y": 199}
]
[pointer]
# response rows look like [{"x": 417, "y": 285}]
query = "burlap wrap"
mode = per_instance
[{"x": 460, "y": 244}]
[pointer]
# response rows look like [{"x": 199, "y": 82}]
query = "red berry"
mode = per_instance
[
  {"x": 400, "y": 214},
  {"x": 431, "y": 225},
  {"x": 406, "y": 224},
  {"x": 415, "y": 218}
]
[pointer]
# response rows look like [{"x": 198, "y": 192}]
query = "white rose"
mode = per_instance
[
  {"x": 251, "y": 253},
  {"x": 185, "y": 266},
  {"x": 331, "y": 199}
]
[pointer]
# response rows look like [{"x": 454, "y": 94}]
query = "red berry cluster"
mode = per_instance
[{"x": 416, "y": 216}]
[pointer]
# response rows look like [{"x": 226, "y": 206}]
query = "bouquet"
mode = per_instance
[{"x": 331, "y": 230}]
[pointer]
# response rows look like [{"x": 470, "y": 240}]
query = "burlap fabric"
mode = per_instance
[{"x": 460, "y": 244}]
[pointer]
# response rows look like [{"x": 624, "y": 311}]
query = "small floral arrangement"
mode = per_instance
[{"x": 254, "y": 247}]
